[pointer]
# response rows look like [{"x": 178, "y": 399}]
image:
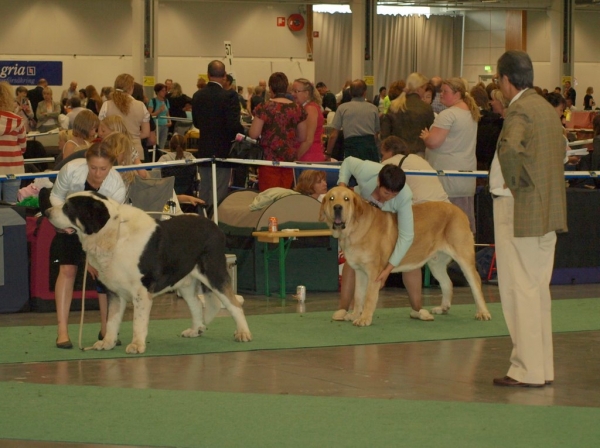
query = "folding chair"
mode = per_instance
[
  {"x": 186, "y": 178},
  {"x": 151, "y": 195}
]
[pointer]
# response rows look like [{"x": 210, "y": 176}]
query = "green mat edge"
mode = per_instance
[{"x": 47, "y": 352}]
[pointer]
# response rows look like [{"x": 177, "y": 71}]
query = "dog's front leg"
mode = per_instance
[
  {"x": 142, "y": 304},
  {"x": 370, "y": 298},
  {"x": 360, "y": 291},
  {"x": 116, "y": 308}
]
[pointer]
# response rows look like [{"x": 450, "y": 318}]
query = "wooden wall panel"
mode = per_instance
[{"x": 516, "y": 30}]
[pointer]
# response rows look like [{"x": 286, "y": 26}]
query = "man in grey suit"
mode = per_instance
[
  {"x": 216, "y": 113},
  {"x": 528, "y": 186}
]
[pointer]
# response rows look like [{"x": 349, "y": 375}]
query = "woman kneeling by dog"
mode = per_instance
[
  {"x": 94, "y": 173},
  {"x": 386, "y": 189}
]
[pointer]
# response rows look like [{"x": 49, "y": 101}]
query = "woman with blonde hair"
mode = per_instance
[
  {"x": 47, "y": 112},
  {"x": 126, "y": 152},
  {"x": 306, "y": 95},
  {"x": 179, "y": 103},
  {"x": 395, "y": 90},
  {"x": 106, "y": 93},
  {"x": 498, "y": 102},
  {"x": 94, "y": 173},
  {"x": 85, "y": 128},
  {"x": 451, "y": 142},
  {"x": 110, "y": 124},
  {"x": 12, "y": 144},
  {"x": 123, "y": 149},
  {"x": 588, "y": 99},
  {"x": 133, "y": 112},
  {"x": 408, "y": 114}
]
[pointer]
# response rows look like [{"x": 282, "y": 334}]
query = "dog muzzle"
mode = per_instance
[{"x": 338, "y": 223}]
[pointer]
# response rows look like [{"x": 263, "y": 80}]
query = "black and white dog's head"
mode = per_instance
[{"x": 85, "y": 213}]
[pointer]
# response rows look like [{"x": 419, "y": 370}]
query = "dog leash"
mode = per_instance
[{"x": 83, "y": 307}]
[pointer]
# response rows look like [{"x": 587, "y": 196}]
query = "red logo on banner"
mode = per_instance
[
  {"x": 315, "y": 34},
  {"x": 280, "y": 21}
]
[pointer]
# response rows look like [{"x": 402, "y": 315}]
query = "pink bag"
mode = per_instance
[{"x": 29, "y": 190}]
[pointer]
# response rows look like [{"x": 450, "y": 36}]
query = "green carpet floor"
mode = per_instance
[
  {"x": 288, "y": 331},
  {"x": 89, "y": 414}
]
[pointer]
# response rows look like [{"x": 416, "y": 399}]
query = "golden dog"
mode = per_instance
[{"x": 368, "y": 235}]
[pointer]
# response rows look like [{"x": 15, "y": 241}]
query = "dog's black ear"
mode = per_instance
[{"x": 44, "y": 198}]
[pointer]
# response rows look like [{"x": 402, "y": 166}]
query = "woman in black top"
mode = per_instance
[
  {"x": 94, "y": 102},
  {"x": 179, "y": 103},
  {"x": 588, "y": 99}
]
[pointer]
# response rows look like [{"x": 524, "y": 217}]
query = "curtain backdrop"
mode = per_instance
[
  {"x": 402, "y": 45},
  {"x": 331, "y": 50},
  {"x": 439, "y": 46}
]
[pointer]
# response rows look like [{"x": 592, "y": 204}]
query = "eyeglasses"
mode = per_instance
[{"x": 298, "y": 91}]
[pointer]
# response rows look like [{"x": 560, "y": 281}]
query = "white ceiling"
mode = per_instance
[
  {"x": 445, "y": 4},
  {"x": 492, "y": 4}
]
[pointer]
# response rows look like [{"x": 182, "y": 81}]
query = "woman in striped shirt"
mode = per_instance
[{"x": 12, "y": 144}]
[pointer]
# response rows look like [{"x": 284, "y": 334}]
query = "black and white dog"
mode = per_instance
[{"x": 138, "y": 258}]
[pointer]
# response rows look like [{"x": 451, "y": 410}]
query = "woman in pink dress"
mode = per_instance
[{"x": 305, "y": 95}]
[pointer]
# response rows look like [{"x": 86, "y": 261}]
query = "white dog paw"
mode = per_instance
[
  {"x": 242, "y": 336},
  {"x": 351, "y": 317},
  {"x": 483, "y": 315},
  {"x": 339, "y": 315},
  {"x": 103, "y": 345},
  {"x": 134, "y": 348},
  {"x": 439, "y": 310},
  {"x": 362, "y": 322},
  {"x": 422, "y": 314},
  {"x": 191, "y": 333}
]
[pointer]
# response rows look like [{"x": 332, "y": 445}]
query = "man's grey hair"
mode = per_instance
[
  {"x": 358, "y": 88},
  {"x": 517, "y": 67}
]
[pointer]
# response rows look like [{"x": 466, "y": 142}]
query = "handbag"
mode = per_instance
[{"x": 244, "y": 149}]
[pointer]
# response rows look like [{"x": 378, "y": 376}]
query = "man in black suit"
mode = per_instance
[
  {"x": 36, "y": 96},
  {"x": 570, "y": 94},
  {"x": 216, "y": 113}
]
